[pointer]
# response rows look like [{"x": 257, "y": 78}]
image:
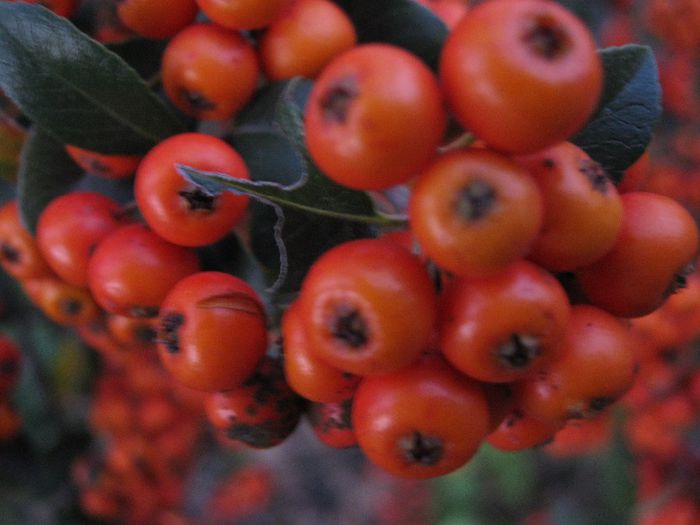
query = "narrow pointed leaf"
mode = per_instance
[
  {"x": 74, "y": 87},
  {"x": 630, "y": 107},
  {"x": 46, "y": 171}
]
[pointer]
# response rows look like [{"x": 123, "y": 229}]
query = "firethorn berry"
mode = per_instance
[
  {"x": 157, "y": 19},
  {"x": 101, "y": 502},
  {"x": 530, "y": 84},
  {"x": 582, "y": 436},
  {"x": 475, "y": 211},
  {"x": 503, "y": 327},
  {"x": 368, "y": 307},
  {"x": 582, "y": 208},
  {"x": 650, "y": 259},
  {"x": 374, "y": 117},
  {"x": 501, "y": 400},
  {"x": 243, "y": 14},
  {"x": 304, "y": 39},
  {"x": 135, "y": 332},
  {"x": 262, "y": 412},
  {"x": 63, "y": 303},
  {"x": 596, "y": 366},
  {"x": 69, "y": 229},
  {"x": 518, "y": 432},
  {"x": 10, "y": 421},
  {"x": 332, "y": 423},
  {"x": 10, "y": 360},
  {"x": 307, "y": 375},
  {"x": 211, "y": 331},
  {"x": 96, "y": 335},
  {"x": 179, "y": 211},
  {"x": 421, "y": 421},
  {"x": 636, "y": 175},
  {"x": 132, "y": 269},
  {"x": 101, "y": 165},
  {"x": 209, "y": 72},
  {"x": 241, "y": 494},
  {"x": 19, "y": 253}
]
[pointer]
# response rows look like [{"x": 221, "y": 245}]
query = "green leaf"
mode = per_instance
[
  {"x": 75, "y": 88},
  {"x": 630, "y": 107},
  {"x": 263, "y": 109},
  {"x": 404, "y": 23},
  {"x": 46, "y": 171},
  {"x": 231, "y": 256},
  {"x": 304, "y": 237},
  {"x": 268, "y": 154},
  {"x": 142, "y": 54}
]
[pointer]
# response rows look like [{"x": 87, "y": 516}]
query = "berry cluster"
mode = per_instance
[
  {"x": 661, "y": 424},
  {"x": 495, "y": 315},
  {"x": 147, "y": 432}
]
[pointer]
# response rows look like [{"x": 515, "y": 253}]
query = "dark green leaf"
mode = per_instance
[
  {"x": 142, "y": 54},
  {"x": 231, "y": 256},
  {"x": 262, "y": 110},
  {"x": 629, "y": 108},
  {"x": 404, "y": 23},
  {"x": 268, "y": 154},
  {"x": 121, "y": 190},
  {"x": 46, "y": 171},
  {"x": 76, "y": 89},
  {"x": 305, "y": 239}
]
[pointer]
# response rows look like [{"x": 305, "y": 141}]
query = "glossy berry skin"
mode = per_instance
[
  {"x": 504, "y": 327},
  {"x": 368, "y": 307},
  {"x": 243, "y": 14},
  {"x": 531, "y": 84},
  {"x": 10, "y": 361},
  {"x": 422, "y": 421},
  {"x": 178, "y": 210},
  {"x": 519, "y": 432},
  {"x": 157, "y": 19},
  {"x": 211, "y": 331},
  {"x": 304, "y": 39},
  {"x": 63, "y": 303},
  {"x": 374, "y": 117},
  {"x": 132, "y": 270},
  {"x": 582, "y": 208},
  {"x": 475, "y": 211},
  {"x": 19, "y": 254},
  {"x": 209, "y": 72},
  {"x": 596, "y": 366},
  {"x": 332, "y": 423},
  {"x": 70, "y": 228},
  {"x": 309, "y": 376},
  {"x": 134, "y": 332},
  {"x": 262, "y": 412},
  {"x": 657, "y": 241},
  {"x": 106, "y": 166}
]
